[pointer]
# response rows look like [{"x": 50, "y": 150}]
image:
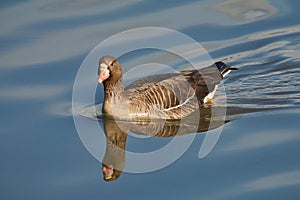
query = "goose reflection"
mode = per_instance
[
  {"x": 116, "y": 133},
  {"x": 114, "y": 159}
]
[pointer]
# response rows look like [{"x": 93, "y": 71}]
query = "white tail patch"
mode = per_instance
[
  {"x": 211, "y": 95},
  {"x": 226, "y": 73}
]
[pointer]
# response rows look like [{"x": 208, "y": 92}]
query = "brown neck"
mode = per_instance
[
  {"x": 114, "y": 98},
  {"x": 113, "y": 89}
]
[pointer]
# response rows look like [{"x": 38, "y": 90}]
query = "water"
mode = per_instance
[{"x": 42, "y": 47}]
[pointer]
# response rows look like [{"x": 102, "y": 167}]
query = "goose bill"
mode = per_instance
[
  {"x": 108, "y": 171},
  {"x": 104, "y": 74}
]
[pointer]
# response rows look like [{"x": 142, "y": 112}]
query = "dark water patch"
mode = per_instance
[
  {"x": 211, "y": 32},
  {"x": 124, "y": 12},
  {"x": 61, "y": 72},
  {"x": 9, "y": 3}
]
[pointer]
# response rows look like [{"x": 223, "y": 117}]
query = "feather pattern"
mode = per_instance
[{"x": 163, "y": 96}]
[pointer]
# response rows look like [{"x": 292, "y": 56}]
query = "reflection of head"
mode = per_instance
[
  {"x": 114, "y": 159},
  {"x": 109, "y": 173}
]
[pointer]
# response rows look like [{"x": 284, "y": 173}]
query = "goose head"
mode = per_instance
[
  {"x": 109, "y": 69},
  {"x": 109, "y": 173}
]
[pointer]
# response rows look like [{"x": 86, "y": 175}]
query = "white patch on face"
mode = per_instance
[{"x": 103, "y": 65}]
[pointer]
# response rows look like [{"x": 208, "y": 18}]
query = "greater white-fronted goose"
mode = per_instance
[{"x": 162, "y": 96}]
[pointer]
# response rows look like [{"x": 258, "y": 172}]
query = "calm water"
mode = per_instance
[{"x": 43, "y": 45}]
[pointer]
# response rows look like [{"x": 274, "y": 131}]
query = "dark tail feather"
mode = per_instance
[{"x": 223, "y": 68}]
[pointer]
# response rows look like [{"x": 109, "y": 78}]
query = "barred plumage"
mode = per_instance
[{"x": 167, "y": 96}]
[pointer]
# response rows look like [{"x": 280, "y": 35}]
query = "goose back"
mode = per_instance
[{"x": 171, "y": 96}]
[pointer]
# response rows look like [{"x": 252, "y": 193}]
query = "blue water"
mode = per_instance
[{"x": 43, "y": 45}]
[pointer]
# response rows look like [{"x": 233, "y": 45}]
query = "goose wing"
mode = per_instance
[
  {"x": 203, "y": 81},
  {"x": 149, "y": 80},
  {"x": 171, "y": 96}
]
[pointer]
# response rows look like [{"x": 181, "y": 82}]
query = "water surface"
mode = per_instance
[{"x": 42, "y": 46}]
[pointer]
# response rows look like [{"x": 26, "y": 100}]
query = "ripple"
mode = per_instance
[
  {"x": 257, "y": 13},
  {"x": 268, "y": 75},
  {"x": 103, "y": 5},
  {"x": 275, "y": 32},
  {"x": 269, "y": 86},
  {"x": 246, "y": 10}
]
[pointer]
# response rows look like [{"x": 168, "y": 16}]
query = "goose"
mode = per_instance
[{"x": 161, "y": 96}]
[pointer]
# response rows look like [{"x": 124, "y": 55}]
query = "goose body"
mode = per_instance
[{"x": 162, "y": 96}]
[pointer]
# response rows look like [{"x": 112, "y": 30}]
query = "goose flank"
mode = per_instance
[{"x": 162, "y": 96}]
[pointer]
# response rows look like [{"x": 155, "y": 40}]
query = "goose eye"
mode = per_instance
[{"x": 112, "y": 63}]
